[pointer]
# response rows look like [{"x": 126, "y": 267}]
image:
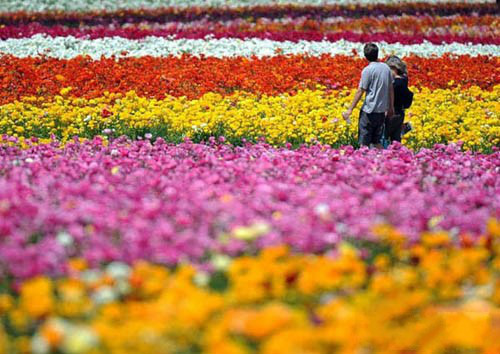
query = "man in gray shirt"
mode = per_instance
[{"x": 376, "y": 81}]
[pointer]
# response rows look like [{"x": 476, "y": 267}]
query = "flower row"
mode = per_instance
[
  {"x": 434, "y": 297},
  {"x": 251, "y": 13},
  {"x": 441, "y": 7},
  {"x": 193, "y": 77},
  {"x": 405, "y": 30},
  {"x": 136, "y": 200},
  {"x": 406, "y": 24},
  {"x": 478, "y": 36},
  {"x": 70, "y": 47},
  {"x": 439, "y": 116}
]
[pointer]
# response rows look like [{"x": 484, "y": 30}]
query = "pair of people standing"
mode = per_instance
[{"x": 387, "y": 94}]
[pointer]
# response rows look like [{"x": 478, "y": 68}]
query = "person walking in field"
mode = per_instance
[
  {"x": 376, "y": 82},
  {"x": 403, "y": 98}
]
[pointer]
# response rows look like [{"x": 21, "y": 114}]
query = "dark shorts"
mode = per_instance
[
  {"x": 370, "y": 128},
  {"x": 393, "y": 126}
]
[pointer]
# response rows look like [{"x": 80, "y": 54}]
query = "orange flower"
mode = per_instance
[
  {"x": 37, "y": 297},
  {"x": 193, "y": 77}
]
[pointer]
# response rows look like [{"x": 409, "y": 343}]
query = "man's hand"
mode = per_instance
[
  {"x": 347, "y": 114},
  {"x": 357, "y": 96},
  {"x": 390, "y": 113}
]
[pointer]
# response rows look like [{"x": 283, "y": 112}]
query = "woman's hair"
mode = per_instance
[{"x": 397, "y": 64}]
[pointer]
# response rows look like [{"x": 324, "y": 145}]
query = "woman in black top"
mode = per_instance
[{"x": 394, "y": 125}]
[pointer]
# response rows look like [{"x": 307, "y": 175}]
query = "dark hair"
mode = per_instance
[{"x": 371, "y": 51}]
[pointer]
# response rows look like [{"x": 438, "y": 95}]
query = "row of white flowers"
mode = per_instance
[
  {"x": 111, "y": 5},
  {"x": 69, "y": 47}
]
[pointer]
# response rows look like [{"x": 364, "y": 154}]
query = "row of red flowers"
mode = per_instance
[
  {"x": 268, "y": 11},
  {"x": 406, "y": 29},
  {"x": 199, "y": 33},
  {"x": 192, "y": 77}
]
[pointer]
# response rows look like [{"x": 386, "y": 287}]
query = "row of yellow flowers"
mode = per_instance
[
  {"x": 438, "y": 116},
  {"x": 441, "y": 295}
]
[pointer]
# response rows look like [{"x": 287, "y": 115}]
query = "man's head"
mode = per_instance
[{"x": 371, "y": 52}]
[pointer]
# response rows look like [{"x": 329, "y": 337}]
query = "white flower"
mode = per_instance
[
  {"x": 123, "y": 287},
  {"x": 341, "y": 228},
  {"x": 29, "y": 160},
  {"x": 91, "y": 276},
  {"x": 70, "y": 47},
  {"x": 255, "y": 230},
  {"x": 39, "y": 345},
  {"x": 322, "y": 209},
  {"x": 114, "y": 152},
  {"x": 64, "y": 239},
  {"x": 201, "y": 278},
  {"x": 261, "y": 227},
  {"x": 221, "y": 261},
  {"x": 79, "y": 339},
  {"x": 104, "y": 295},
  {"x": 118, "y": 270}
]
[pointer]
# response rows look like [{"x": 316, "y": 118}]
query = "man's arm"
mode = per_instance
[{"x": 354, "y": 103}]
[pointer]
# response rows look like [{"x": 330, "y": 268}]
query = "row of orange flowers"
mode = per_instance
[
  {"x": 193, "y": 77},
  {"x": 403, "y": 24}
]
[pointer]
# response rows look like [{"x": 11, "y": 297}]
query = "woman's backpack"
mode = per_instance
[{"x": 408, "y": 99}]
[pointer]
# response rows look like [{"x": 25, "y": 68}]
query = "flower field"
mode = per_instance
[{"x": 176, "y": 178}]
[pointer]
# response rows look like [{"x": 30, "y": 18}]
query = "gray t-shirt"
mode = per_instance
[{"x": 376, "y": 79}]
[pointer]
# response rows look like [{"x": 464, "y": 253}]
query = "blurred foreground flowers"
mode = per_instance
[{"x": 440, "y": 295}]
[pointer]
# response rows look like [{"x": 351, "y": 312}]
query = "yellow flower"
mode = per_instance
[
  {"x": 494, "y": 228},
  {"x": 3, "y": 341},
  {"x": 261, "y": 323},
  {"x": 248, "y": 233},
  {"x": 65, "y": 91},
  {"x": 439, "y": 116},
  {"x": 6, "y": 303},
  {"x": 79, "y": 340},
  {"x": 77, "y": 264},
  {"x": 53, "y": 333}
]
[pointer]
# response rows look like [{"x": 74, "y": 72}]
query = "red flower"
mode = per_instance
[{"x": 105, "y": 113}]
